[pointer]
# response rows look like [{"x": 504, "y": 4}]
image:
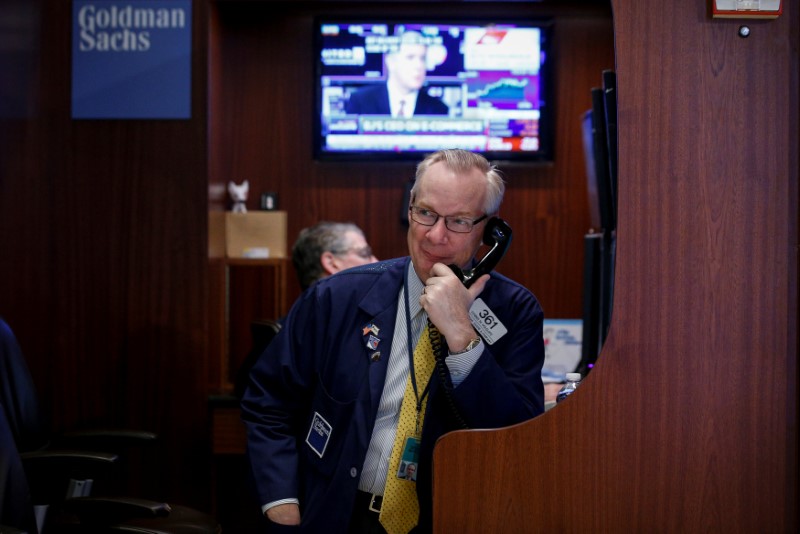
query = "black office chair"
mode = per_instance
[
  {"x": 60, "y": 482},
  {"x": 85, "y": 515}
]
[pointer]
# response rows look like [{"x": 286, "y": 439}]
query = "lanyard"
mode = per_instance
[{"x": 419, "y": 398}]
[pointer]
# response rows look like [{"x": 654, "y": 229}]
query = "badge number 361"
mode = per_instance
[{"x": 486, "y": 322}]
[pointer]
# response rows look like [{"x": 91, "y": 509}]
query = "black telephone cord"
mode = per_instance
[{"x": 444, "y": 373}]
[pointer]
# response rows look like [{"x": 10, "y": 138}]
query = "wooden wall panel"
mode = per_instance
[
  {"x": 689, "y": 421},
  {"x": 104, "y": 259}
]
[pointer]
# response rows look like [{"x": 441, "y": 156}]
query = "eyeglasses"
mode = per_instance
[
  {"x": 454, "y": 223},
  {"x": 362, "y": 252}
]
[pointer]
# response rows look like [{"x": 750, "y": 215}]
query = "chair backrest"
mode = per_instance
[
  {"x": 26, "y": 420},
  {"x": 36, "y": 479}
]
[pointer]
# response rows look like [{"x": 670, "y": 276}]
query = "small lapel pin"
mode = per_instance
[
  {"x": 372, "y": 342},
  {"x": 369, "y": 327}
]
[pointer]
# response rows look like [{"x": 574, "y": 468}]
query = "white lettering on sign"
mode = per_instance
[{"x": 124, "y": 29}]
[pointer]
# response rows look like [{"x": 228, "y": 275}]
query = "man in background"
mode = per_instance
[
  {"x": 327, "y": 248},
  {"x": 403, "y": 94}
]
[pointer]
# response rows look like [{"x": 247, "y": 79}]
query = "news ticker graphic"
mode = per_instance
[
  {"x": 428, "y": 143},
  {"x": 425, "y": 134},
  {"x": 131, "y": 60}
]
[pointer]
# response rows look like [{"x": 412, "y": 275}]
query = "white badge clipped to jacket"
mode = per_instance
[{"x": 486, "y": 322}]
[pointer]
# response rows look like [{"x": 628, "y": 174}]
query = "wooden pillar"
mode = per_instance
[{"x": 688, "y": 422}]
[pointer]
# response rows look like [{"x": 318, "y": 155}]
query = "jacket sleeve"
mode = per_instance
[
  {"x": 505, "y": 385},
  {"x": 273, "y": 405}
]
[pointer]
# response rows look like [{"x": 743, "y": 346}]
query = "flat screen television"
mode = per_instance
[{"x": 477, "y": 85}]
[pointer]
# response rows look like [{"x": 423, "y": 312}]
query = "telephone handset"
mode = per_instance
[{"x": 497, "y": 235}]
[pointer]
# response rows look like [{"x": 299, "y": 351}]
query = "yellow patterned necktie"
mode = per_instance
[{"x": 400, "y": 508}]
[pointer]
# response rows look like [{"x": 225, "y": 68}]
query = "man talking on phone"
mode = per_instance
[{"x": 348, "y": 394}]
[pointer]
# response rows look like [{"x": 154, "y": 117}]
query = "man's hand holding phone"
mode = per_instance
[{"x": 447, "y": 303}]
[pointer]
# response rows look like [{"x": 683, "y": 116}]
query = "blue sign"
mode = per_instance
[{"x": 131, "y": 60}]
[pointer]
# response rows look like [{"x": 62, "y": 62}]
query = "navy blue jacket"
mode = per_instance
[{"x": 319, "y": 364}]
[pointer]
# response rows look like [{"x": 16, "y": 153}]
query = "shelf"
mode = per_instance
[{"x": 241, "y": 290}]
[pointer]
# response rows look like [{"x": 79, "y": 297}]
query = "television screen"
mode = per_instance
[{"x": 402, "y": 88}]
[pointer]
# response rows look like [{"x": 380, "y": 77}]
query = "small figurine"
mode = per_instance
[{"x": 238, "y": 195}]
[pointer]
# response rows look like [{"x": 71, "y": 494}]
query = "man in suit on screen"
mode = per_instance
[{"x": 403, "y": 94}]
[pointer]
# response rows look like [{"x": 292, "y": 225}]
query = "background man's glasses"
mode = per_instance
[{"x": 454, "y": 223}]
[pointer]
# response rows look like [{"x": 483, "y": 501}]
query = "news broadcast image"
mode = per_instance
[{"x": 487, "y": 77}]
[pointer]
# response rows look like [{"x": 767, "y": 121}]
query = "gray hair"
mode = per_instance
[
  {"x": 464, "y": 161},
  {"x": 324, "y": 236}
]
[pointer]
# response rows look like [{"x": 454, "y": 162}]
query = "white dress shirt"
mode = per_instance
[{"x": 409, "y": 102}]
